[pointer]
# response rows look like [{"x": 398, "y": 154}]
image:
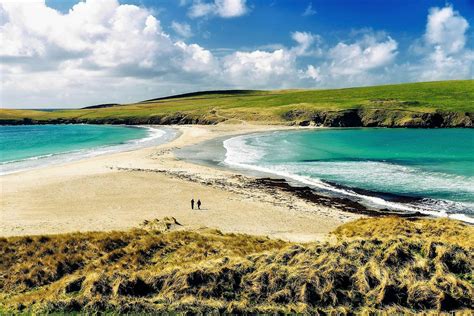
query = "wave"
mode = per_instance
[
  {"x": 31, "y": 158},
  {"x": 154, "y": 136},
  {"x": 242, "y": 155},
  {"x": 153, "y": 133},
  {"x": 373, "y": 175}
]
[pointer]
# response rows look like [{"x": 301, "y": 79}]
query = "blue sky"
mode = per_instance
[
  {"x": 63, "y": 53},
  {"x": 270, "y": 22}
]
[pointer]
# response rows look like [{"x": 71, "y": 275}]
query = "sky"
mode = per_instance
[{"x": 71, "y": 53}]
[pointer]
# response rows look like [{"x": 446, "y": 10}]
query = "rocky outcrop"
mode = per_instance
[
  {"x": 380, "y": 118},
  {"x": 175, "y": 118},
  {"x": 363, "y": 117}
]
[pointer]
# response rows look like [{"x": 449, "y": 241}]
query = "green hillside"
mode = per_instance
[{"x": 412, "y": 104}]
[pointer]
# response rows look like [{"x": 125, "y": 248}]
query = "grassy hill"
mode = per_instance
[
  {"x": 430, "y": 104},
  {"x": 388, "y": 265}
]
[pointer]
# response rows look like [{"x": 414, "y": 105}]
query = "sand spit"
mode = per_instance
[{"x": 119, "y": 191}]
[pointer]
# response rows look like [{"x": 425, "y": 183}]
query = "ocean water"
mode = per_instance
[
  {"x": 427, "y": 170},
  {"x": 29, "y": 146}
]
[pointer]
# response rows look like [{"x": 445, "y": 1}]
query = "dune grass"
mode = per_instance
[
  {"x": 274, "y": 106},
  {"x": 387, "y": 265}
]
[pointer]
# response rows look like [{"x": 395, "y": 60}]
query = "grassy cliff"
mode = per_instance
[
  {"x": 389, "y": 265},
  {"x": 429, "y": 104}
]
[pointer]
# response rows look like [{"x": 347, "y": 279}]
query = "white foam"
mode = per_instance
[
  {"x": 26, "y": 159},
  {"x": 153, "y": 133},
  {"x": 403, "y": 179},
  {"x": 239, "y": 153}
]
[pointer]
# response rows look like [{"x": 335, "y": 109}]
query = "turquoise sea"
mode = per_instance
[
  {"x": 428, "y": 170},
  {"x": 28, "y": 146}
]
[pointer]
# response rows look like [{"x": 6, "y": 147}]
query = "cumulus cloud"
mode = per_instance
[
  {"x": 439, "y": 65},
  {"x": 97, "y": 34},
  {"x": 443, "y": 50},
  {"x": 258, "y": 67},
  {"x": 182, "y": 29},
  {"x": 311, "y": 72},
  {"x": 220, "y": 8},
  {"x": 362, "y": 56},
  {"x": 98, "y": 42},
  {"x": 277, "y": 68},
  {"x": 193, "y": 58},
  {"x": 305, "y": 40},
  {"x": 104, "y": 51},
  {"x": 446, "y": 29}
]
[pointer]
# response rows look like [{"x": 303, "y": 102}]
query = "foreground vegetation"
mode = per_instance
[
  {"x": 429, "y": 104},
  {"x": 379, "y": 264}
]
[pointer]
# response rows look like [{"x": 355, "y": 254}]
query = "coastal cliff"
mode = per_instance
[
  {"x": 426, "y": 104},
  {"x": 346, "y": 118},
  {"x": 381, "y": 118}
]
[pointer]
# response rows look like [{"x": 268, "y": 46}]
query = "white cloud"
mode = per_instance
[
  {"x": 182, "y": 29},
  {"x": 443, "y": 48},
  {"x": 258, "y": 67},
  {"x": 277, "y": 68},
  {"x": 441, "y": 66},
  {"x": 53, "y": 57},
  {"x": 231, "y": 8},
  {"x": 220, "y": 8},
  {"x": 446, "y": 29},
  {"x": 361, "y": 56},
  {"x": 305, "y": 40},
  {"x": 194, "y": 58},
  {"x": 100, "y": 34},
  {"x": 200, "y": 9},
  {"x": 102, "y": 51},
  {"x": 311, "y": 72}
]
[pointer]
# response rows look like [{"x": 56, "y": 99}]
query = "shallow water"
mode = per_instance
[
  {"x": 29, "y": 146},
  {"x": 429, "y": 170}
]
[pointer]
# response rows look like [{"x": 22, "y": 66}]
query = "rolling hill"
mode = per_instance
[{"x": 427, "y": 104}]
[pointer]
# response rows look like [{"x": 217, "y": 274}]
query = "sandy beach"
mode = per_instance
[{"x": 119, "y": 191}]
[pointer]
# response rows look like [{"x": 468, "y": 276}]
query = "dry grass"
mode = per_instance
[
  {"x": 445, "y": 230},
  {"x": 385, "y": 265}
]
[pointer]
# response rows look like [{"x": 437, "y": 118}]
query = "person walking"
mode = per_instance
[
  {"x": 192, "y": 204},
  {"x": 199, "y": 204}
]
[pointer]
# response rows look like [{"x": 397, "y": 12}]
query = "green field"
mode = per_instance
[{"x": 396, "y": 104}]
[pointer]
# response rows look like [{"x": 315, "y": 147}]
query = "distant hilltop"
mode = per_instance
[
  {"x": 179, "y": 96},
  {"x": 424, "y": 104},
  {"x": 205, "y": 93},
  {"x": 101, "y": 106}
]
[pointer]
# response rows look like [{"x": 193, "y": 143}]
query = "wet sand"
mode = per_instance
[{"x": 121, "y": 190}]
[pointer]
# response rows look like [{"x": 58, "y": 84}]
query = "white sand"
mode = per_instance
[{"x": 108, "y": 193}]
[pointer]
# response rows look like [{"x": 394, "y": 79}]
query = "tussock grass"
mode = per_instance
[
  {"x": 387, "y": 265},
  {"x": 443, "y": 229}
]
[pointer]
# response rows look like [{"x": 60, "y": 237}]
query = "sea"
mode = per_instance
[
  {"x": 414, "y": 170},
  {"x": 25, "y": 147},
  {"x": 426, "y": 170}
]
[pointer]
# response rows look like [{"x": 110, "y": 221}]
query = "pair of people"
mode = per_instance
[{"x": 198, "y": 204}]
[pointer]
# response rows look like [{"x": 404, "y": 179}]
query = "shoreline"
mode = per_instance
[
  {"x": 214, "y": 153},
  {"x": 111, "y": 193},
  {"x": 155, "y": 136},
  {"x": 92, "y": 183},
  {"x": 274, "y": 181}
]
